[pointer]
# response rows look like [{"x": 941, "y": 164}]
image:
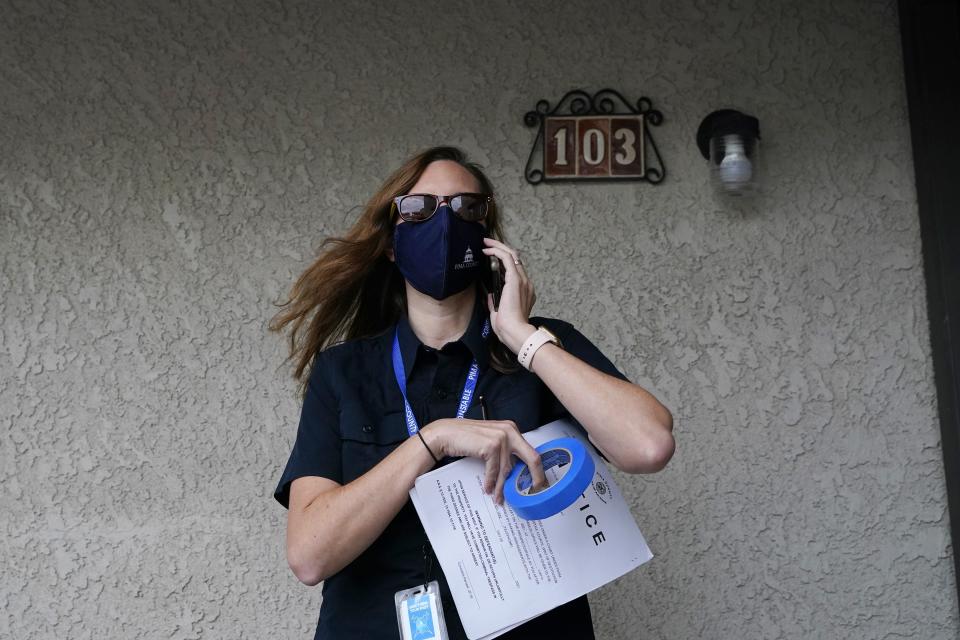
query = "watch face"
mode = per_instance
[{"x": 556, "y": 340}]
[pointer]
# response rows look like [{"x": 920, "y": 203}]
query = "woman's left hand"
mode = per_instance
[{"x": 511, "y": 322}]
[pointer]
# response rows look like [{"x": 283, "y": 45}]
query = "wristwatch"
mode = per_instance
[{"x": 536, "y": 340}]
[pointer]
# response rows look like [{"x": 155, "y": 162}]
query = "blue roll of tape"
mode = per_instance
[{"x": 569, "y": 469}]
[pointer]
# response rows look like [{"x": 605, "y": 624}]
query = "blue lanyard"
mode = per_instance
[{"x": 468, "y": 387}]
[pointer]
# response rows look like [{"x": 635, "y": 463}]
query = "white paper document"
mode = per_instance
[{"x": 503, "y": 570}]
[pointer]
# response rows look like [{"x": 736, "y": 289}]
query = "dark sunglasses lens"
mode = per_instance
[
  {"x": 416, "y": 208},
  {"x": 469, "y": 207}
]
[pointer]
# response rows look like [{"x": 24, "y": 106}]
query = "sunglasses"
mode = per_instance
[{"x": 418, "y": 207}]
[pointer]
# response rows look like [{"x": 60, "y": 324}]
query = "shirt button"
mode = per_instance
[{"x": 367, "y": 428}]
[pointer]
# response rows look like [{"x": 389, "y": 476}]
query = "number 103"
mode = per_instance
[{"x": 594, "y": 147}]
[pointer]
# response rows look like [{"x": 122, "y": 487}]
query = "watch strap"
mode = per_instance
[{"x": 536, "y": 340}]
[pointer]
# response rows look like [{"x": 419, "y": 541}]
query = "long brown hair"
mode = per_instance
[{"x": 352, "y": 290}]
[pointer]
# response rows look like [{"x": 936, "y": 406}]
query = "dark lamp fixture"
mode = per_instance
[{"x": 730, "y": 140}]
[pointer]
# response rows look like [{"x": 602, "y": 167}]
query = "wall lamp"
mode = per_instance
[{"x": 730, "y": 141}]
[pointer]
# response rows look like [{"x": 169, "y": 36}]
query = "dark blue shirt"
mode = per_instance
[{"x": 353, "y": 417}]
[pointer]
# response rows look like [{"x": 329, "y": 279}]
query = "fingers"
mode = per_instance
[
  {"x": 496, "y": 243},
  {"x": 505, "y": 468},
  {"x": 491, "y": 473},
  {"x": 496, "y": 442},
  {"x": 525, "y": 451},
  {"x": 508, "y": 257},
  {"x": 515, "y": 444}
]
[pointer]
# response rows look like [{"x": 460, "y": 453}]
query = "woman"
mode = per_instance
[{"x": 406, "y": 295}]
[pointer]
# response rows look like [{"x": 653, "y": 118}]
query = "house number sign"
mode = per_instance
[{"x": 598, "y": 137}]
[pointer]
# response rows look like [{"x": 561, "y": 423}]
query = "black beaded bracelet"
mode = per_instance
[{"x": 428, "y": 448}]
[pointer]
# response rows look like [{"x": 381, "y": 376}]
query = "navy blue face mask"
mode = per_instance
[{"x": 440, "y": 256}]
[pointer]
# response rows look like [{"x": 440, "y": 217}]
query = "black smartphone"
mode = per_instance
[{"x": 493, "y": 279}]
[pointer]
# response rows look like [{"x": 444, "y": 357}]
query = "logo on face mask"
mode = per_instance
[{"x": 468, "y": 261}]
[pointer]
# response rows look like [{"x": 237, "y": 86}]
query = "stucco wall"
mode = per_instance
[{"x": 167, "y": 170}]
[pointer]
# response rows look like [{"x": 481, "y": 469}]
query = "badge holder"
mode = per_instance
[
  {"x": 420, "y": 614},
  {"x": 419, "y": 609}
]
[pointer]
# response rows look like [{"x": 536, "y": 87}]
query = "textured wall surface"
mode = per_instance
[{"x": 169, "y": 168}]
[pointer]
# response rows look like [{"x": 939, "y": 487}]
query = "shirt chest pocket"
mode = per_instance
[
  {"x": 367, "y": 437},
  {"x": 518, "y": 401}
]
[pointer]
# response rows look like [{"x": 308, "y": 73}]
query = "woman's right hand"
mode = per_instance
[{"x": 493, "y": 441}]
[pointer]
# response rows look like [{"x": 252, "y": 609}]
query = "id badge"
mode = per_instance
[{"x": 420, "y": 614}]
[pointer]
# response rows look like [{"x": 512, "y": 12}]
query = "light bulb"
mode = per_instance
[{"x": 735, "y": 169}]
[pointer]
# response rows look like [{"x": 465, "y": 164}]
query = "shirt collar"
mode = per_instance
[{"x": 472, "y": 338}]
